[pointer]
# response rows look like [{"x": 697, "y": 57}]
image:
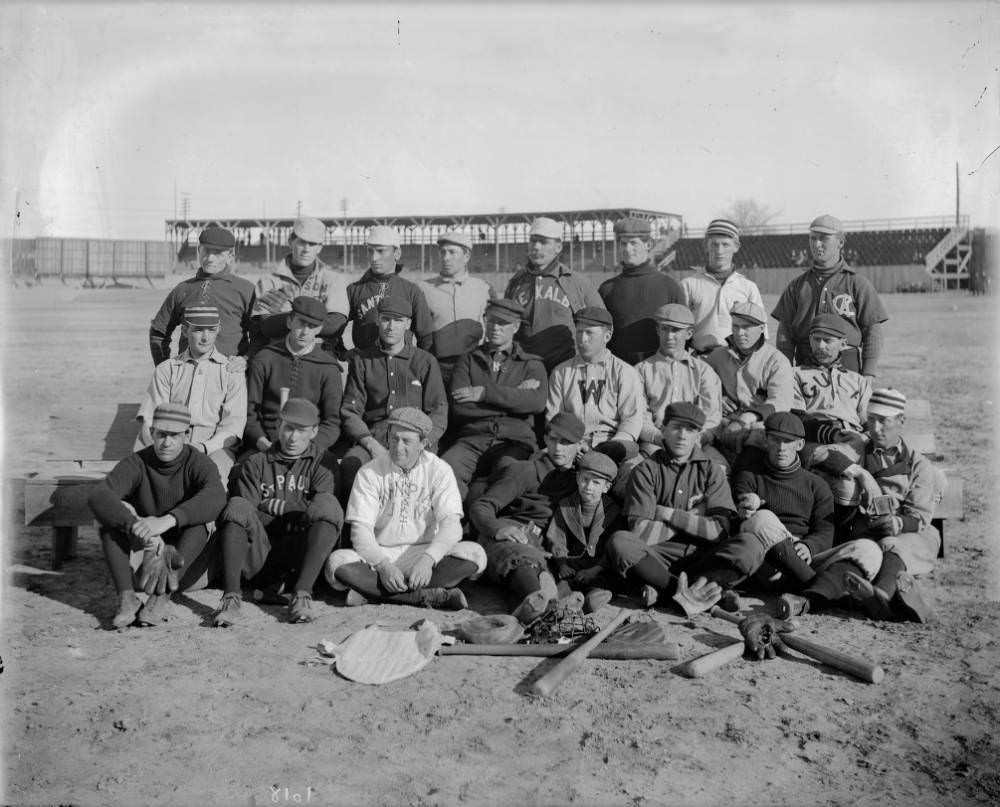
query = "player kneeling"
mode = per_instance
[{"x": 282, "y": 520}]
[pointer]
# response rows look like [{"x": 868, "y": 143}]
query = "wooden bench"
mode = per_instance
[
  {"x": 919, "y": 435},
  {"x": 84, "y": 443}
]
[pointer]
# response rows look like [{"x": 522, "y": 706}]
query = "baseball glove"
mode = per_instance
[
  {"x": 762, "y": 636},
  {"x": 494, "y": 629}
]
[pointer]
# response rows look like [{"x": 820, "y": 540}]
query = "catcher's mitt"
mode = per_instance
[
  {"x": 761, "y": 636},
  {"x": 494, "y": 629}
]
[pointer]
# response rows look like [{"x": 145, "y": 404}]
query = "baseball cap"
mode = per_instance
[
  {"x": 633, "y": 226},
  {"x": 750, "y": 311},
  {"x": 505, "y": 310},
  {"x": 887, "y": 402},
  {"x": 831, "y": 324},
  {"x": 456, "y": 237},
  {"x": 300, "y": 412},
  {"x": 593, "y": 315},
  {"x": 684, "y": 412},
  {"x": 382, "y": 236},
  {"x": 309, "y": 229},
  {"x": 217, "y": 238},
  {"x": 785, "y": 424},
  {"x": 598, "y": 463},
  {"x": 674, "y": 314},
  {"x": 204, "y": 316},
  {"x": 395, "y": 306},
  {"x": 546, "y": 227},
  {"x": 826, "y": 224},
  {"x": 173, "y": 418},
  {"x": 566, "y": 426},
  {"x": 722, "y": 227},
  {"x": 411, "y": 419},
  {"x": 310, "y": 309}
]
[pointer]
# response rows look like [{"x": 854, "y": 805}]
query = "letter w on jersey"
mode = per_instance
[{"x": 591, "y": 389}]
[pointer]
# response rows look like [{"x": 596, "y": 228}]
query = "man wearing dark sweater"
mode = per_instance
[
  {"x": 633, "y": 296},
  {"x": 515, "y": 510},
  {"x": 383, "y": 280},
  {"x": 495, "y": 391},
  {"x": 157, "y": 502},
  {"x": 295, "y": 368},
  {"x": 213, "y": 285},
  {"x": 282, "y": 521}
]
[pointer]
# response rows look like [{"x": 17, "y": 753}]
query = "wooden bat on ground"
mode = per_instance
[
  {"x": 855, "y": 665},
  {"x": 703, "y": 665},
  {"x": 661, "y": 651},
  {"x": 547, "y": 684}
]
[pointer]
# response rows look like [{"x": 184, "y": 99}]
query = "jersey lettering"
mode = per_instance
[
  {"x": 591, "y": 389},
  {"x": 843, "y": 304}
]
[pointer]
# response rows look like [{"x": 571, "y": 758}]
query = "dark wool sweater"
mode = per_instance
[
  {"x": 799, "y": 498},
  {"x": 279, "y": 485},
  {"x": 188, "y": 488},
  {"x": 364, "y": 295},
  {"x": 632, "y": 298},
  {"x": 315, "y": 377}
]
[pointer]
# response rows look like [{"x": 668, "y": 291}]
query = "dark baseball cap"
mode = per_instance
[
  {"x": 310, "y": 309},
  {"x": 684, "y": 412},
  {"x": 395, "y": 306},
  {"x": 217, "y": 238},
  {"x": 505, "y": 310},
  {"x": 566, "y": 426},
  {"x": 785, "y": 424},
  {"x": 831, "y": 324},
  {"x": 593, "y": 315}
]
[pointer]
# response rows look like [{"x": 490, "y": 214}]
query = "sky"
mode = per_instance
[{"x": 113, "y": 112}]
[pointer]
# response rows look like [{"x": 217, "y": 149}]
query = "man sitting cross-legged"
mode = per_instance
[
  {"x": 677, "y": 503},
  {"x": 282, "y": 521},
  {"x": 157, "y": 501},
  {"x": 513, "y": 512},
  {"x": 405, "y": 513}
]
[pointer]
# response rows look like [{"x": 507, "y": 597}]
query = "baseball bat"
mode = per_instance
[
  {"x": 661, "y": 651},
  {"x": 703, "y": 665},
  {"x": 547, "y": 684},
  {"x": 857, "y": 666}
]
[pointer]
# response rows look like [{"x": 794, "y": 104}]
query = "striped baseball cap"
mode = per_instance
[
  {"x": 171, "y": 417},
  {"x": 887, "y": 402},
  {"x": 722, "y": 227},
  {"x": 205, "y": 316}
]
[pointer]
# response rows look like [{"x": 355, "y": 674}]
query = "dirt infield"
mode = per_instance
[{"x": 188, "y": 714}]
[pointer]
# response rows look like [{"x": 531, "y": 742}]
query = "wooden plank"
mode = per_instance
[
  {"x": 918, "y": 430},
  {"x": 85, "y": 432},
  {"x": 59, "y": 501},
  {"x": 952, "y": 504}
]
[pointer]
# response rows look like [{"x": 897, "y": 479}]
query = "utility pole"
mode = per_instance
[
  {"x": 957, "y": 195},
  {"x": 298, "y": 209},
  {"x": 343, "y": 210}
]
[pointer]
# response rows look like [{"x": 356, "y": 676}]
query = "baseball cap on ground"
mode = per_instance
[
  {"x": 310, "y": 309},
  {"x": 505, "y": 310},
  {"x": 632, "y": 227},
  {"x": 684, "y": 412},
  {"x": 674, "y": 314},
  {"x": 409, "y": 418},
  {"x": 826, "y": 224},
  {"x": 887, "y": 402},
  {"x": 203, "y": 316},
  {"x": 830, "y": 324},
  {"x": 785, "y": 424},
  {"x": 309, "y": 229},
  {"x": 217, "y": 238},
  {"x": 722, "y": 227},
  {"x": 382, "y": 236},
  {"x": 546, "y": 227},
  {"x": 593, "y": 315},
  {"x": 300, "y": 412},
  {"x": 173, "y": 418},
  {"x": 566, "y": 426},
  {"x": 749, "y": 311},
  {"x": 456, "y": 237}
]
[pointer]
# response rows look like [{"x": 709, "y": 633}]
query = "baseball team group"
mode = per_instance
[{"x": 568, "y": 443}]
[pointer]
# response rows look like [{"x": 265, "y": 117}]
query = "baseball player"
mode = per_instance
[
  {"x": 673, "y": 374},
  {"x": 551, "y": 294},
  {"x": 154, "y": 505},
  {"x": 383, "y": 280},
  {"x": 390, "y": 374},
  {"x": 712, "y": 294},
  {"x": 282, "y": 520},
  {"x": 496, "y": 390},
  {"x": 831, "y": 287},
  {"x": 405, "y": 514},
  {"x": 300, "y": 273},
  {"x": 677, "y": 502},
  {"x": 602, "y": 390},
  {"x": 511, "y": 515},
  {"x": 633, "y": 296},
  {"x": 457, "y": 302},
  {"x": 214, "y": 284},
  {"x": 199, "y": 378},
  {"x": 297, "y": 367}
]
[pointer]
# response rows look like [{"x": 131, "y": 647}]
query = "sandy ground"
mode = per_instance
[{"x": 187, "y": 714}]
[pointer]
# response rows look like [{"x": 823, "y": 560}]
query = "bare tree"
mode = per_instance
[{"x": 749, "y": 215}]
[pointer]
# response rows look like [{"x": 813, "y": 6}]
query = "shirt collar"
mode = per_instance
[{"x": 185, "y": 356}]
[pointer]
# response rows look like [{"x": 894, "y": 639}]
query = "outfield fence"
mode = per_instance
[{"x": 95, "y": 261}]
